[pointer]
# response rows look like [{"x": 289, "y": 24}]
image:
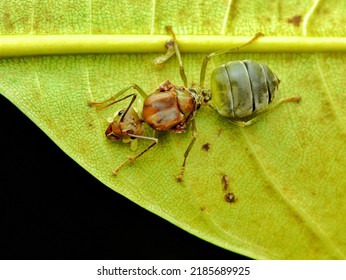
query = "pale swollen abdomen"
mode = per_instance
[{"x": 242, "y": 88}]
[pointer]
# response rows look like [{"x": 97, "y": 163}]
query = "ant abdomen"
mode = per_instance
[{"x": 242, "y": 88}]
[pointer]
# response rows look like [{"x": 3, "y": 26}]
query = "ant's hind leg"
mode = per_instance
[
  {"x": 220, "y": 52},
  {"x": 260, "y": 115}
]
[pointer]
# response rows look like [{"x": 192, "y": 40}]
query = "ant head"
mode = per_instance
[
  {"x": 113, "y": 131},
  {"x": 124, "y": 122}
]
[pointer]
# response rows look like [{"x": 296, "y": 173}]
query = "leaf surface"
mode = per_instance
[{"x": 287, "y": 171}]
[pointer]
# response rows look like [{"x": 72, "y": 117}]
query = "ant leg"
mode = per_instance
[
  {"x": 261, "y": 114},
  {"x": 112, "y": 100},
  {"x": 177, "y": 51},
  {"x": 170, "y": 52},
  {"x": 134, "y": 96},
  {"x": 173, "y": 47},
  {"x": 209, "y": 56},
  {"x": 133, "y": 158},
  {"x": 194, "y": 137}
]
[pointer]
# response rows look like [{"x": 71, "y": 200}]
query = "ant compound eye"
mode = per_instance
[{"x": 120, "y": 112}]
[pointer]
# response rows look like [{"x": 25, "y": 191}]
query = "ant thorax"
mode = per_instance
[{"x": 170, "y": 107}]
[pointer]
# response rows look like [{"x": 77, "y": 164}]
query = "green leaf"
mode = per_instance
[{"x": 287, "y": 171}]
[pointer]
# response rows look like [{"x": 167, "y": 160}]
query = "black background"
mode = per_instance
[{"x": 51, "y": 208}]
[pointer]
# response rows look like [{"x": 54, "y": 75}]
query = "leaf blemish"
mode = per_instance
[
  {"x": 225, "y": 182},
  {"x": 206, "y": 147},
  {"x": 295, "y": 20},
  {"x": 250, "y": 154},
  {"x": 229, "y": 196}
]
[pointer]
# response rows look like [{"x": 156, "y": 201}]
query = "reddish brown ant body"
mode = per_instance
[
  {"x": 169, "y": 108},
  {"x": 242, "y": 91}
]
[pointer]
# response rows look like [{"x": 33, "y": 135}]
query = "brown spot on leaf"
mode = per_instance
[
  {"x": 225, "y": 182},
  {"x": 250, "y": 155},
  {"x": 295, "y": 20},
  {"x": 229, "y": 197},
  {"x": 206, "y": 147},
  {"x": 7, "y": 22}
]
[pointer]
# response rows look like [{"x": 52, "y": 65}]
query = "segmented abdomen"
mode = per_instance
[{"x": 241, "y": 88}]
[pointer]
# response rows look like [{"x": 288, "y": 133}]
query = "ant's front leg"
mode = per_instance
[
  {"x": 172, "y": 48},
  {"x": 131, "y": 159},
  {"x": 112, "y": 100}
]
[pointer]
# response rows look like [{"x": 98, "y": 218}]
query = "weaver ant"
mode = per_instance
[{"x": 242, "y": 91}]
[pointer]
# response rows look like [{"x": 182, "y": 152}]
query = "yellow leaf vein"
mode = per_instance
[
  {"x": 90, "y": 16},
  {"x": 152, "y": 25},
  {"x": 329, "y": 96},
  {"x": 225, "y": 19},
  {"x": 307, "y": 17}
]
